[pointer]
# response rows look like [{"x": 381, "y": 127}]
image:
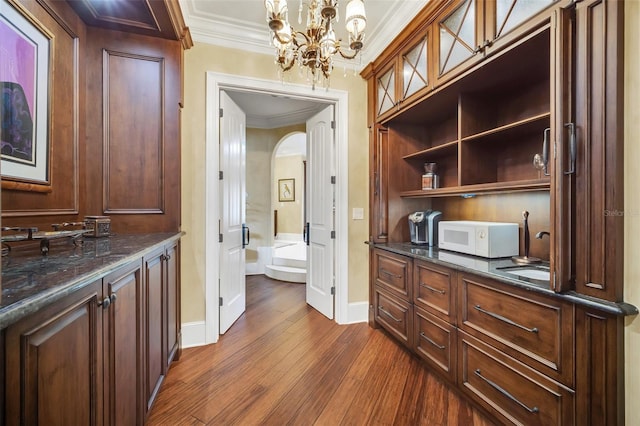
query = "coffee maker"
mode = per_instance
[{"x": 423, "y": 227}]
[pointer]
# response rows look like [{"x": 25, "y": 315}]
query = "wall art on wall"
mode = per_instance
[
  {"x": 25, "y": 49},
  {"x": 286, "y": 189}
]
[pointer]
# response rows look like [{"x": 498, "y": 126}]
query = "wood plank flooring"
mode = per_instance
[{"x": 284, "y": 363}]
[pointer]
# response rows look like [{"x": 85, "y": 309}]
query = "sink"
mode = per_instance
[{"x": 528, "y": 272}]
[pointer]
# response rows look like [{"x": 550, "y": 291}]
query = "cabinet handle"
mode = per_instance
[
  {"x": 572, "y": 148},
  {"x": 505, "y": 393},
  {"x": 105, "y": 303},
  {"x": 431, "y": 341},
  {"x": 545, "y": 151},
  {"x": 113, "y": 298},
  {"x": 384, "y": 271},
  {"x": 507, "y": 320},
  {"x": 167, "y": 257},
  {"x": 434, "y": 290},
  {"x": 381, "y": 308}
]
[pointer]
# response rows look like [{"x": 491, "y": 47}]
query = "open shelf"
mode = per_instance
[
  {"x": 486, "y": 188},
  {"x": 438, "y": 151}
]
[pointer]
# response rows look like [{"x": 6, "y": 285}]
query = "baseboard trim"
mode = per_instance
[
  {"x": 193, "y": 334},
  {"x": 357, "y": 312}
]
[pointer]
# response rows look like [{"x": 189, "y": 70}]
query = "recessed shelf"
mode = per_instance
[
  {"x": 436, "y": 151},
  {"x": 522, "y": 126}
]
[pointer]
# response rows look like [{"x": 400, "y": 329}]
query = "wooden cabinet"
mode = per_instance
[
  {"x": 123, "y": 306},
  {"x": 393, "y": 274},
  {"x": 75, "y": 362},
  {"x": 435, "y": 342},
  {"x": 434, "y": 289},
  {"x": 44, "y": 387},
  {"x": 511, "y": 392},
  {"x": 162, "y": 317},
  {"x": 98, "y": 355}
]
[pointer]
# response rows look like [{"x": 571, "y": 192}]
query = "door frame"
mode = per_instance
[{"x": 215, "y": 82}]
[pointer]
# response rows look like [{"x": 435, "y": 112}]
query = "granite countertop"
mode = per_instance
[
  {"x": 31, "y": 281},
  {"x": 496, "y": 269}
]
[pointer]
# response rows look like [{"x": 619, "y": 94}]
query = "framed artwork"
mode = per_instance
[
  {"x": 286, "y": 189},
  {"x": 25, "y": 54}
]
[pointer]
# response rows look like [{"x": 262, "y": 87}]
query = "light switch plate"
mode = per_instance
[{"x": 358, "y": 213}]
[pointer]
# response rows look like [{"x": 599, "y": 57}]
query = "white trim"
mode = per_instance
[
  {"x": 193, "y": 334},
  {"x": 218, "y": 81},
  {"x": 358, "y": 312}
]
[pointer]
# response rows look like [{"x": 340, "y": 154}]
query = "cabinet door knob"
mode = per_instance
[
  {"x": 113, "y": 297},
  {"x": 105, "y": 303}
]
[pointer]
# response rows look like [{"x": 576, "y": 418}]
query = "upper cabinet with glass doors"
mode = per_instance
[
  {"x": 405, "y": 78},
  {"x": 469, "y": 30}
]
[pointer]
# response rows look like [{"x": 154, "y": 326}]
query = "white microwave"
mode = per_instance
[{"x": 485, "y": 239}]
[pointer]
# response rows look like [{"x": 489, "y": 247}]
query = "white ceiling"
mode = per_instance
[{"x": 241, "y": 24}]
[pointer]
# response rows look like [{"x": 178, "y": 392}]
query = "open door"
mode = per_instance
[
  {"x": 232, "y": 212},
  {"x": 320, "y": 199}
]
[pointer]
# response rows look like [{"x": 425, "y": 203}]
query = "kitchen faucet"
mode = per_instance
[{"x": 541, "y": 234}]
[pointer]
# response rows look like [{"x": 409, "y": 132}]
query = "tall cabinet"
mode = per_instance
[{"x": 480, "y": 87}]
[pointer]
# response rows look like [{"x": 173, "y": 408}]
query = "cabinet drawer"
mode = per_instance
[
  {"x": 434, "y": 289},
  {"x": 393, "y": 273},
  {"x": 435, "y": 342},
  {"x": 395, "y": 316},
  {"x": 510, "y": 390},
  {"x": 531, "y": 328}
]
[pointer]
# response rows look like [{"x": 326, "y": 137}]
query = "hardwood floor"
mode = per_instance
[{"x": 284, "y": 363}]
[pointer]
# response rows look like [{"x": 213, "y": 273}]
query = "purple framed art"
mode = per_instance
[{"x": 24, "y": 96}]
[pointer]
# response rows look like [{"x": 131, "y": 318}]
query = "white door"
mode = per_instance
[
  {"x": 320, "y": 212},
  {"x": 232, "y": 214}
]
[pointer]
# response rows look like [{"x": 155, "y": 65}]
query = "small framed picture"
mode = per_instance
[{"x": 286, "y": 190}]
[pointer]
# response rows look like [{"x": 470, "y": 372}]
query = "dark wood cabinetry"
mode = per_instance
[
  {"x": 54, "y": 363},
  {"x": 506, "y": 81},
  {"x": 99, "y": 354},
  {"x": 162, "y": 316}
]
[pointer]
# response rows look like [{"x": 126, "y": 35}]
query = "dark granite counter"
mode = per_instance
[
  {"x": 31, "y": 281},
  {"x": 496, "y": 269}
]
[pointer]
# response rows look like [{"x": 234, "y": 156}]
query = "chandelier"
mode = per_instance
[{"x": 315, "y": 47}]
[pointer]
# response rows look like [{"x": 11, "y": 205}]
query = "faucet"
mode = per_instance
[{"x": 541, "y": 234}]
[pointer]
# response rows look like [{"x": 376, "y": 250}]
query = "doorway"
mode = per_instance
[{"x": 217, "y": 82}]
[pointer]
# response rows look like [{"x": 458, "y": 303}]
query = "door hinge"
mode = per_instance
[
  {"x": 333, "y": 124},
  {"x": 333, "y": 291},
  {"x": 221, "y": 302},
  {"x": 220, "y": 238},
  {"x": 333, "y": 180},
  {"x": 333, "y": 235},
  {"x": 221, "y": 113},
  {"x": 220, "y": 175}
]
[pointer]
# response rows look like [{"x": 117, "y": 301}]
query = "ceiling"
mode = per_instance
[{"x": 241, "y": 24}]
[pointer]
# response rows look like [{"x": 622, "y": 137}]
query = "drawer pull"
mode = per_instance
[
  {"x": 431, "y": 341},
  {"x": 505, "y": 393},
  {"x": 387, "y": 313},
  {"x": 507, "y": 320},
  {"x": 434, "y": 290},
  {"x": 384, "y": 271}
]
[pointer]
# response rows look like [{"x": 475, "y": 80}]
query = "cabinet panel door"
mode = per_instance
[
  {"x": 173, "y": 302},
  {"x": 379, "y": 163},
  {"x": 125, "y": 346},
  {"x": 54, "y": 363},
  {"x": 386, "y": 94},
  {"x": 599, "y": 126},
  {"x": 395, "y": 315},
  {"x": 393, "y": 273},
  {"x": 155, "y": 361},
  {"x": 435, "y": 342},
  {"x": 415, "y": 68}
]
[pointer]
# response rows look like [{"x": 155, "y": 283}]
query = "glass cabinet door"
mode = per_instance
[
  {"x": 414, "y": 69},
  {"x": 386, "y": 91},
  {"x": 511, "y": 13},
  {"x": 457, "y": 32}
]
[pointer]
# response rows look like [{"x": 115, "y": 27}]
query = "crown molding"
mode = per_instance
[{"x": 252, "y": 37}]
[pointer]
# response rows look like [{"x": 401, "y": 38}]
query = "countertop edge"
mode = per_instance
[
  {"x": 21, "y": 309},
  {"x": 608, "y": 307}
]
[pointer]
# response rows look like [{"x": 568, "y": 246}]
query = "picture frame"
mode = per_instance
[
  {"x": 286, "y": 190},
  {"x": 25, "y": 55}
]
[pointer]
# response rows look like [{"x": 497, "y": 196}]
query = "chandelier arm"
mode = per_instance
[{"x": 347, "y": 56}]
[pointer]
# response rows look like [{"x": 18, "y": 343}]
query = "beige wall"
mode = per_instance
[
  {"x": 260, "y": 146},
  {"x": 632, "y": 208},
  {"x": 290, "y": 212},
  {"x": 202, "y": 58}
]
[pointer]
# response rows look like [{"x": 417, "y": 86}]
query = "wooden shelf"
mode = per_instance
[
  {"x": 439, "y": 150},
  {"x": 485, "y": 188},
  {"x": 521, "y": 125}
]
